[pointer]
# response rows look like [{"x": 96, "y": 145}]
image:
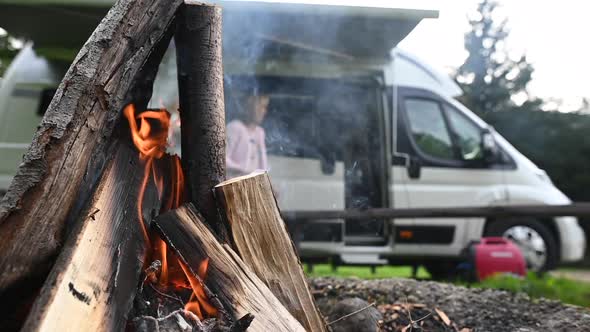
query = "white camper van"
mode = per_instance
[{"x": 353, "y": 122}]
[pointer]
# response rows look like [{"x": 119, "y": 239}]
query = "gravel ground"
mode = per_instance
[{"x": 469, "y": 310}]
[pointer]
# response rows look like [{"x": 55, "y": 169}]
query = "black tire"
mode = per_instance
[
  {"x": 497, "y": 228},
  {"x": 440, "y": 270}
]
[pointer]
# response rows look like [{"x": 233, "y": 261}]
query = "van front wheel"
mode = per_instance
[{"x": 535, "y": 240}]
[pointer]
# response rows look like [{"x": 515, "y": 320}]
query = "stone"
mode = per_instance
[{"x": 366, "y": 320}]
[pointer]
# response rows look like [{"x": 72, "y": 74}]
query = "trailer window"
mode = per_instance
[{"x": 428, "y": 128}]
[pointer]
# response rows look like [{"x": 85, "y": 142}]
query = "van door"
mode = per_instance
[
  {"x": 398, "y": 193},
  {"x": 326, "y": 144},
  {"x": 366, "y": 171},
  {"x": 446, "y": 168}
]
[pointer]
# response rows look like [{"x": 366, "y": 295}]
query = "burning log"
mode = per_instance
[
  {"x": 93, "y": 282},
  {"x": 262, "y": 241},
  {"x": 238, "y": 289},
  {"x": 71, "y": 147},
  {"x": 202, "y": 111},
  {"x": 82, "y": 184}
]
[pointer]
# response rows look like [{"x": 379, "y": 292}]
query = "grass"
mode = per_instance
[
  {"x": 364, "y": 272},
  {"x": 557, "y": 288}
]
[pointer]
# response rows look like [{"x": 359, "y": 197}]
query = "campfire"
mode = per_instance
[
  {"x": 104, "y": 230},
  {"x": 150, "y": 138}
]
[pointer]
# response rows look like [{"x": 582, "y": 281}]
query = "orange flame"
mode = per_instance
[
  {"x": 151, "y": 144},
  {"x": 150, "y": 141},
  {"x": 162, "y": 250},
  {"x": 150, "y": 138},
  {"x": 198, "y": 299}
]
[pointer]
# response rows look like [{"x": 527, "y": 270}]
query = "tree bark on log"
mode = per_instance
[
  {"x": 202, "y": 110},
  {"x": 261, "y": 239},
  {"x": 237, "y": 288},
  {"x": 71, "y": 147},
  {"x": 94, "y": 280}
]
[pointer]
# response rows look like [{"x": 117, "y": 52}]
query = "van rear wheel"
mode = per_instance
[{"x": 535, "y": 240}]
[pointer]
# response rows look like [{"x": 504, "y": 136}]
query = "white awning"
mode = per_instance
[{"x": 366, "y": 30}]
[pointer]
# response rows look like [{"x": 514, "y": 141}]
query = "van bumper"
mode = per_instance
[{"x": 572, "y": 238}]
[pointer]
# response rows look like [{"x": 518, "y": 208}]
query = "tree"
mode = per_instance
[{"x": 490, "y": 79}]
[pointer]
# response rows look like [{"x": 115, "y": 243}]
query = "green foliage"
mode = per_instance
[
  {"x": 489, "y": 77},
  {"x": 433, "y": 146},
  {"x": 557, "y": 142},
  {"x": 56, "y": 54},
  {"x": 565, "y": 290}
]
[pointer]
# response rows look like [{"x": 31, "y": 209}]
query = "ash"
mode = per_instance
[{"x": 157, "y": 310}]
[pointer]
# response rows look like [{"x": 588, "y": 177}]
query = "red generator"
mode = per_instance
[{"x": 492, "y": 255}]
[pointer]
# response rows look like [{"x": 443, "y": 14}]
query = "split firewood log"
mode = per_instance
[
  {"x": 94, "y": 280},
  {"x": 235, "y": 285},
  {"x": 261, "y": 239}
]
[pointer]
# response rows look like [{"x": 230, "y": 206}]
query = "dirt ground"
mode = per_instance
[
  {"x": 467, "y": 310},
  {"x": 578, "y": 275}
]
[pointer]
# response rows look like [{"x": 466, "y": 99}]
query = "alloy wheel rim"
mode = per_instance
[{"x": 531, "y": 244}]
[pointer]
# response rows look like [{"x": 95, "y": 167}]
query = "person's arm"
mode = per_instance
[
  {"x": 234, "y": 137},
  {"x": 264, "y": 160}
]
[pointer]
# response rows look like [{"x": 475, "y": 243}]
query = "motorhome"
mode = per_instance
[{"x": 353, "y": 123}]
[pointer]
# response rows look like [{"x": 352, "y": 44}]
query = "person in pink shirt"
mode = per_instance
[{"x": 246, "y": 150}]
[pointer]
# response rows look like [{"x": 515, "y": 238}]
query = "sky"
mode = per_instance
[{"x": 553, "y": 35}]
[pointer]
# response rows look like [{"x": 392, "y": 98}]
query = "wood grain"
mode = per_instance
[
  {"x": 236, "y": 286},
  {"x": 94, "y": 280},
  {"x": 262, "y": 241}
]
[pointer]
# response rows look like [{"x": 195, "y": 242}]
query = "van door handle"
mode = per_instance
[
  {"x": 414, "y": 168},
  {"x": 400, "y": 159}
]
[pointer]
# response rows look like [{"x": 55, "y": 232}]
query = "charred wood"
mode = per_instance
[
  {"x": 202, "y": 111},
  {"x": 73, "y": 143}
]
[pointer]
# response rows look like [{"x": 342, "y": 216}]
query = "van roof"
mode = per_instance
[{"x": 367, "y": 29}]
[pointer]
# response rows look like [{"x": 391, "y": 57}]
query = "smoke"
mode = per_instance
[{"x": 322, "y": 106}]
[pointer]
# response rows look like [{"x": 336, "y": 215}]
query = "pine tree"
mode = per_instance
[{"x": 489, "y": 77}]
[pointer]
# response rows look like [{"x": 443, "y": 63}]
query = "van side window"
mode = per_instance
[
  {"x": 428, "y": 128},
  {"x": 291, "y": 128},
  {"x": 467, "y": 134}
]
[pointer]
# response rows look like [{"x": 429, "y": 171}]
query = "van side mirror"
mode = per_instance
[{"x": 489, "y": 146}]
